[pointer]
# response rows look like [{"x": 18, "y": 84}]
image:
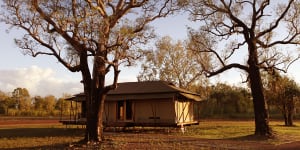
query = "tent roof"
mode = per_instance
[
  {"x": 146, "y": 87},
  {"x": 147, "y": 90}
]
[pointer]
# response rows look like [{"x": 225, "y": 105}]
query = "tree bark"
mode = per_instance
[
  {"x": 285, "y": 113},
  {"x": 285, "y": 119},
  {"x": 100, "y": 117},
  {"x": 290, "y": 119},
  {"x": 95, "y": 107},
  {"x": 290, "y": 113},
  {"x": 94, "y": 86},
  {"x": 89, "y": 91},
  {"x": 260, "y": 107},
  {"x": 259, "y": 102},
  {"x": 101, "y": 95}
]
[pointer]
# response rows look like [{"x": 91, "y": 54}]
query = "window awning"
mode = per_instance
[{"x": 191, "y": 96}]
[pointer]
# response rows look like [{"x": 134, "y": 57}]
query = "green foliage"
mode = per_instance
[
  {"x": 21, "y": 104},
  {"x": 21, "y": 98},
  {"x": 64, "y": 106},
  {"x": 227, "y": 101},
  {"x": 49, "y": 103},
  {"x": 282, "y": 93},
  {"x": 3, "y": 102}
]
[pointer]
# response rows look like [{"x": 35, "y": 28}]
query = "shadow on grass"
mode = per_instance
[
  {"x": 40, "y": 132},
  {"x": 291, "y": 145},
  {"x": 252, "y": 137},
  {"x": 131, "y": 139},
  {"x": 45, "y": 147},
  {"x": 39, "y": 138}
]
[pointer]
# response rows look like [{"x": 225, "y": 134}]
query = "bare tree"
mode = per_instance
[
  {"x": 83, "y": 33},
  {"x": 252, "y": 30},
  {"x": 173, "y": 63}
]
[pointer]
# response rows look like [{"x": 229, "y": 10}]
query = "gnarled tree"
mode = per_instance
[
  {"x": 89, "y": 36},
  {"x": 252, "y": 30}
]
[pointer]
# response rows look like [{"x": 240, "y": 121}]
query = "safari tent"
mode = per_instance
[{"x": 150, "y": 103}]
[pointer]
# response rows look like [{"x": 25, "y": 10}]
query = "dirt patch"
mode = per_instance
[{"x": 289, "y": 146}]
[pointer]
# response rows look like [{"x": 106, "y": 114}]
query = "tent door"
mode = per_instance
[{"x": 125, "y": 110}]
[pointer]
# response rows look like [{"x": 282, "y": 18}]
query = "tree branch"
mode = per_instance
[
  {"x": 225, "y": 68},
  {"x": 258, "y": 35},
  {"x": 64, "y": 34}
]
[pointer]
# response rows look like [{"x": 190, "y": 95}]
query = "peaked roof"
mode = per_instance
[
  {"x": 150, "y": 90},
  {"x": 146, "y": 87},
  {"x": 147, "y": 90}
]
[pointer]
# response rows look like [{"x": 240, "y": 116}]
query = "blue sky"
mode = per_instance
[{"x": 43, "y": 75}]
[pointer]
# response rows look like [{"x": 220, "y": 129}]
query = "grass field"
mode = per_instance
[{"x": 210, "y": 134}]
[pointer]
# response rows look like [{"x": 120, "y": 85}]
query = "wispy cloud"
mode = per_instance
[{"x": 38, "y": 81}]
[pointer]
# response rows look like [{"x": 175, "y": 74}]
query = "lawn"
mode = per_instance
[
  {"x": 209, "y": 134},
  {"x": 38, "y": 136}
]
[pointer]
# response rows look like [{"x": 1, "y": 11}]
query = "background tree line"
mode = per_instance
[
  {"x": 20, "y": 103},
  {"x": 227, "y": 101}
]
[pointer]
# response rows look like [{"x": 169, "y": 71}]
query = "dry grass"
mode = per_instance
[
  {"x": 221, "y": 129},
  {"x": 208, "y": 135},
  {"x": 42, "y": 136}
]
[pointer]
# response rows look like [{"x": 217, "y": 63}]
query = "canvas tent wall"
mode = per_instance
[{"x": 151, "y": 103}]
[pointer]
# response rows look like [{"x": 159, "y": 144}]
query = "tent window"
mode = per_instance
[
  {"x": 128, "y": 110},
  {"x": 120, "y": 110},
  {"x": 124, "y": 110}
]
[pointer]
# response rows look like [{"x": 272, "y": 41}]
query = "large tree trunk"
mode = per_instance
[
  {"x": 101, "y": 96},
  {"x": 284, "y": 113},
  {"x": 285, "y": 119},
  {"x": 94, "y": 131},
  {"x": 91, "y": 99},
  {"x": 98, "y": 95},
  {"x": 97, "y": 90},
  {"x": 93, "y": 114},
  {"x": 93, "y": 95},
  {"x": 259, "y": 102},
  {"x": 260, "y": 106},
  {"x": 92, "y": 136},
  {"x": 290, "y": 113},
  {"x": 290, "y": 119}
]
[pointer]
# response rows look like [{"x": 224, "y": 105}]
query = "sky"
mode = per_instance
[{"x": 43, "y": 75}]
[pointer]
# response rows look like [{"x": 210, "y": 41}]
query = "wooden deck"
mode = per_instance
[
  {"x": 73, "y": 122},
  {"x": 130, "y": 124}
]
